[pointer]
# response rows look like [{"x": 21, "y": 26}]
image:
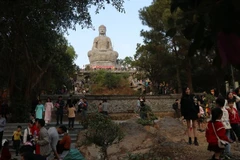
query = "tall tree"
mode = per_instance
[
  {"x": 211, "y": 25},
  {"x": 32, "y": 44}
]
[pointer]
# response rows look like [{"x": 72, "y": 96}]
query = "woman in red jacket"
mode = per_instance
[
  {"x": 234, "y": 118},
  {"x": 5, "y": 154},
  {"x": 220, "y": 131},
  {"x": 35, "y": 132}
]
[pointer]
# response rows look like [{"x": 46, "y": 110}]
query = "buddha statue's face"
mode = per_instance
[{"x": 102, "y": 30}]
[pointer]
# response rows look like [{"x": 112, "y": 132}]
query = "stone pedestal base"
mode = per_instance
[{"x": 102, "y": 64}]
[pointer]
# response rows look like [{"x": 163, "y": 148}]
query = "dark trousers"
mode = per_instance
[
  {"x": 59, "y": 116},
  {"x": 236, "y": 129},
  {"x": 71, "y": 122},
  {"x": 1, "y": 136},
  {"x": 16, "y": 145}
]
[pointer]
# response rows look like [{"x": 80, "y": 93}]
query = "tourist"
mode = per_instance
[
  {"x": 226, "y": 123},
  {"x": 48, "y": 111},
  {"x": 4, "y": 109},
  {"x": 234, "y": 118},
  {"x": 39, "y": 110},
  {"x": 138, "y": 105},
  {"x": 69, "y": 101},
  {"x": 32, "y": 156},
  {"x": 233, "y": 97},
  {"x": 53, "y": 134},
  {"x": 143, "y": 109},
  {"x": 71, "y": 116},
  {"x": 105, "y": 106},
  {"x": 26, "y": 153},
  {"x": 201, "y": 118},
  {"x": 17, "y": 135},
  {"x": 84, "y": 113},
  {"x": 100, "y": 109},
  {"x": 80, "y": 105},
  {"x": 59, "y": 113},
  {"x": 35, "y": 130},
  {"x": 190, "y": 111},
  {"x": 237, "y": 91},
  {"x": 216, "y": 128},
  {"x": 2, "y": 125},
  {"x": 27, "y": 134},
  {"x": 176, "y": 107},
  {"x": 64, "y": 144},
  {"x": 43, "y": 139},
  {"x": 5, "y": 153}
]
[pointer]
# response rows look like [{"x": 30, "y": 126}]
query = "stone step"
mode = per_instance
[
  {"x": 51, "y": 124},
  {"x": 11, "y": 127}
]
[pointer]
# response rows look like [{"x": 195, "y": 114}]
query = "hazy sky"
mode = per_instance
[{"x": 123, "y": 29}]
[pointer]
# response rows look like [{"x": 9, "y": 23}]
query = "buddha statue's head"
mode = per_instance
[{"x": 102, "y": 30}]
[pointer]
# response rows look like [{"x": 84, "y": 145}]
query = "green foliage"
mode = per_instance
[
  {"x": 179, "y": 46},
  {"x": 111, "y": 80},
  {"x": 203, "y": 21},
  {"x": 149, "y": 120},
  {"x": 145, "y": 122},
  {"x": 34, "y": 54},
  {"x": 107, "y": 79},
  {"x": 103, "y": 132},
  {"x": 209, "y": 100}
]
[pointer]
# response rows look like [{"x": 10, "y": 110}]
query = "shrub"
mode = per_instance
[
  {"x": 108, "y": 79},
  {"x": 149, "y": 120},
  {"x": 103, "y": 132}
]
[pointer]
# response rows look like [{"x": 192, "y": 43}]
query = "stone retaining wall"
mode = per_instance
[{"x": 121, "y": 104}]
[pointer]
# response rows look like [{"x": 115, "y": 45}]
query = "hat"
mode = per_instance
[{"x": 64, "y": 128}]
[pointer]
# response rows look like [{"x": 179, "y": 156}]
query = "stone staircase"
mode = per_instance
[{"x": 11, "y": 127}]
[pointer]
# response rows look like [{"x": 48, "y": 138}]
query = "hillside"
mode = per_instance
[{"x": 167, "y": 140}]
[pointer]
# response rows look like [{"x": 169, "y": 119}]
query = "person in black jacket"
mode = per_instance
[{"x": 190, "y": 111}]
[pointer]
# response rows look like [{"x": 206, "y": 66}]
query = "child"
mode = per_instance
[
  {"x": 220, "y": 131},
  {"x": 201, "y": 118},
  {"x": 233, "y": 118},
  {"x": 17, "y": 136},
  {"x": 71, "y": 116},
  {"x": 220, "y": 101},
  {"x": 176, "y": 107},
  {"x": 5, "y": 154}
]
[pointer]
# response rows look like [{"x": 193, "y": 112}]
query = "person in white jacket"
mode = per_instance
[
  {"x": 225, "y": 120},
  {"x": 27, "y": 135}
]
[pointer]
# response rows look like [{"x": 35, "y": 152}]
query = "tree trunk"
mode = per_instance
[
  {"x": 179, "y": 85},
  {"x": 189, "y": 74},
  {"x": 104, "y": 152}
]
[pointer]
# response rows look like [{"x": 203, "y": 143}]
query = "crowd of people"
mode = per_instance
[
  {"x": 222, "y": 124},
  {"x": 60, "y": 108},
  {"x": 37, "y": 142}
]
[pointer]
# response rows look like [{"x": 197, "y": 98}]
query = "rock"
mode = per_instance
[{"x": 166, "y": 140}]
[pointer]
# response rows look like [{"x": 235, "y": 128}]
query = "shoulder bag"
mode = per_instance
[{"x": 221, "y": 143}]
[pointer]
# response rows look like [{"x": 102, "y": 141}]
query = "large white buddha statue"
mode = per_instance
[{"x": 102, "y": 54}]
